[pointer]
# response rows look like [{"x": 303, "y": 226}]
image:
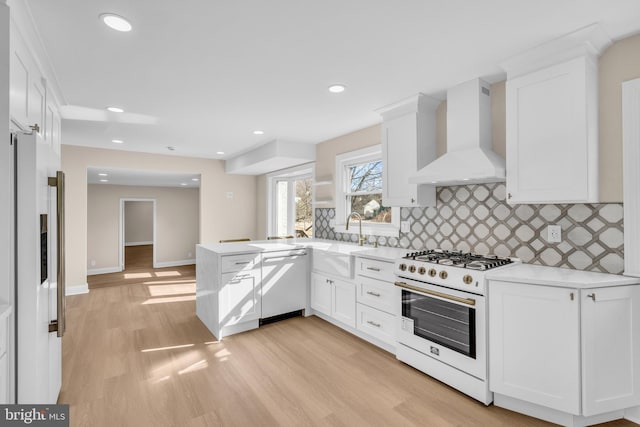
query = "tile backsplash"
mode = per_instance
[{"x": 477, "y": 218}]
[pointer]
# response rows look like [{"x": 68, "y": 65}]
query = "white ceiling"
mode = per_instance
[
  {"x": 202, "y": 75},
  {"x": 116, "y": 176}
]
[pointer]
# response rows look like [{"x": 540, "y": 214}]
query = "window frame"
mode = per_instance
[
  {"x": 290, "y": 175},
  {"x": 343, "y": 161}
]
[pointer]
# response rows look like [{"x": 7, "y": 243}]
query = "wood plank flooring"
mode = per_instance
[{"x": 136, "y": 355}]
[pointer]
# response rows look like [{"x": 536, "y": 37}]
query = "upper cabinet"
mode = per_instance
[
  {"x": 408, "y": 144},
  {"x": 552, "y": 120}
]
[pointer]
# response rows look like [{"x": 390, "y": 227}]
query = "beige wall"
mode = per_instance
[
  {"x": 138, "y": 220},
  {"x": 326, "y": 158},
  {"x": 176, "y": 222},
  {"x": 261, "y": 207},
  {"x": 617, "y": 64},
  {"x": 220, "y": 217}
]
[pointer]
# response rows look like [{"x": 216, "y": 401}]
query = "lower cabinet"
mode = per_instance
[
  {"x": 377, "y": 323},
  {"x": 573, "y": 351},
  {"x": 334, "y": 297},
  {"x": 240, "y": 297}
]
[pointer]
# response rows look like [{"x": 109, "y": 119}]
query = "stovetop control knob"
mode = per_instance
[
  {"x": 444, "y": 274},
  {"x": 412, "y": 269},
  {"x": 422, "y": 270},
  {"x": 467, "y": 279},
  {"x": 403, "y": 267},
  {"x": 432, "y": 272}
]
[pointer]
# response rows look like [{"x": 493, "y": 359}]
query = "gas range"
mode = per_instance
[{"x": 453, "y": 269}]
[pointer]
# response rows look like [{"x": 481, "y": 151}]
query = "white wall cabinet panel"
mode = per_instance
[
  {"x": 552, "y": 130},
  {"x": 610, "y": 349},
  {"x": 534, "y": 345},
  {"x": 408, "y": 144},
  {"x": 19, "y": 88}
]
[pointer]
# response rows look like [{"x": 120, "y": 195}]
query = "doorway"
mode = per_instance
[{"x": 137, "y": 248}]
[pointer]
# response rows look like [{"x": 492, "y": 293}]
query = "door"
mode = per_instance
[
  {"x": 610, "y": 349},
  {"x": 39, "y": 361},
  {"x": 534, "y": 342},
  {"x": 343, "y": 301},
  {"x": 291, "y": 205},
  {"x": 321, "y": 294}
]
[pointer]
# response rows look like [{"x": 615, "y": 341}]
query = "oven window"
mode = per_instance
[{"x": 448, "y": 324}]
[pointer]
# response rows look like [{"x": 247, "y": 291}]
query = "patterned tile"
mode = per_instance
[{"x": 477, "y": 218}]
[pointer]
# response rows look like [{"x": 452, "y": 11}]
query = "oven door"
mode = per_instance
[{"x": 444, "y": 324}]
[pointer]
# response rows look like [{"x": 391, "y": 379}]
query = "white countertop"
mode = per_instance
[
  {"x": 344, "y": 248},
  {"x": 558, "y": 277}
]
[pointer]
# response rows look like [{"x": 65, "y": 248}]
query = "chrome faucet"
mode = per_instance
[{"x": 359, "y": 217}]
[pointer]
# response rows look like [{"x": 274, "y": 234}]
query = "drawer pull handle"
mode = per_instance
[
  {"x": 592, "y": 296},
  {"x": 242, "y": 262},
  {"x": 375, "y": 294},
  {"x": 373, "y": 268},
  {"x": 377, "y": 325}
]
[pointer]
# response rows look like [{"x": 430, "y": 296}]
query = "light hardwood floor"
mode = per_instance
[{"x": 136, "y": 355}]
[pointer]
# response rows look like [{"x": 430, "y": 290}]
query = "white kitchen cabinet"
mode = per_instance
[
  {"x": 334, "y": 297},
  {"x": 321, "y": 290},
  {"x": 228, "y": 291},
  {"x": 408, "y": 144},
  {"x": 567, "y": 355}
]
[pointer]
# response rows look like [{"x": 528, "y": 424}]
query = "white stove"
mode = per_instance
[
  {"x": 452, "y": 269},
  {"x": 443, "y": 327}
]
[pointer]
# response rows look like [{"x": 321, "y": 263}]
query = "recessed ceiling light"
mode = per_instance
[
  {"x": 465, "y": 179},
  {"x": 258, "y": 132},
  {"x": 117, "y": 141},
  {"x": 116, "y": 22},
  {"x": 102, "y": 174},
  {"x": 195, "y": 179},
  {"x": 115, "y": 109},
  {"x": 184, "y": 183},
  {"x": 220, "y": 153},
  {"x": 104, "y": 180},
  {"x": 337, "y": 88}
]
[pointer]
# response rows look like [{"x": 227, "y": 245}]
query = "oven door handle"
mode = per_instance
[{"x": 467, "y": 301}]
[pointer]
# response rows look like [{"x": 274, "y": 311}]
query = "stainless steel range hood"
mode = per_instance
[{"x": 469, "y": 157}]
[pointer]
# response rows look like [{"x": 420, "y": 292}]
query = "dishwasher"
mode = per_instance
[{"x": 284, "y": 284}]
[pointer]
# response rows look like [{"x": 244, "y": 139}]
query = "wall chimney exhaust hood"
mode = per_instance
[{"x": 469, "y": 158}]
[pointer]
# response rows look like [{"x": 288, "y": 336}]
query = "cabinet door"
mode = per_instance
[
  {"x": 399, "y": 160},
  {"x": 610, "y": 349},
  {"x": 548, "y": 146},
  {"x": 240, "y": 297},
  {"x": 343, "y": 302},
  {"x": 321, "y": 293},
  {"x": 534, "y": 346}
]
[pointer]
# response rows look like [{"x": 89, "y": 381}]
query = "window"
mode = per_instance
[
  {"x": 290, "y": 203},
  {"x": 359, "y": 189}
]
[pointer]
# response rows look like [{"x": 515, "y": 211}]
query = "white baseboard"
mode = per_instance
[
  {"x": 633, "y": 414},
  {"x": 138, "y": 243},
  {"x": 162, "y": 264},
  {"x": 105, "y": 270},
  {"x": 77, "y": 290}
]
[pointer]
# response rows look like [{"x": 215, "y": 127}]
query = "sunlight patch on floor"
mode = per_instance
[
  {"x": 169, "y": 299},
  {"x": 137, "y": 275},
  {"x": 194, "y": 367},
  {"x": 164, "y": 290},
  {"x": 146, "y": 350},
  {"x": 170, "y": 282},
  {"x": 167, "y": 273}
]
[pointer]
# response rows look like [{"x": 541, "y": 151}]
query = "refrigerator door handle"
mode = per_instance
[{"x": 59, "y": 324}]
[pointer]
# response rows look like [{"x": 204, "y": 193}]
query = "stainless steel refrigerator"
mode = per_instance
[{"x": 39, "y": 292}]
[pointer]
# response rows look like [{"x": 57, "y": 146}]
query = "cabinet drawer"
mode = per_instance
[
  {"x": 375, "y": 269},
  {"x": 378, "y": 294},
  {"x": 332, "y": 263},
  {"x": 232, "y": 263},
  {"x": 377, "y": 323}
]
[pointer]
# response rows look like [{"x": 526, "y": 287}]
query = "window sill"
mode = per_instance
[{"x": 387, "y": 230}]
